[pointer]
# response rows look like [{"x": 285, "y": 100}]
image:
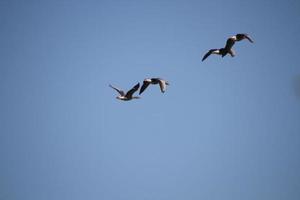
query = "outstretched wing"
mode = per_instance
[
  {"x": 121, "y": 92},
  {"x": 162, "y": 85},
  {"x": 144, "y": 86},
  {"x": 242, "y": 36},
  {"x": 133, "y": 90},
  {"x": 229, "y": 43},
  {"x": 208, "y": 53},
  {"x": 248, "y": 38}
]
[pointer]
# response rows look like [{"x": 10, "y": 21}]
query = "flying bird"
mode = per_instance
[
  {"x": 129, "y": 95},
  {"x": 228, "y": 46},
  {"x": 162, "y": 84}
]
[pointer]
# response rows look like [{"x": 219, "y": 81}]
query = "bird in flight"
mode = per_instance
[
  {"x": 129, "y": 95},
  {"x": 162, "y": 84},
  {"x": 228, "y": 47}
]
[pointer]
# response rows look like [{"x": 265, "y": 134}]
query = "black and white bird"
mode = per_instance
[
  {"x": 228, "y": 47},
  {"x": 129, "y": 95},
  {"x": 162, "y": 84}
]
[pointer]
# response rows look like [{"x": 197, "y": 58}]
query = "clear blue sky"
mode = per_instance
[{"x": 226, "y": 129}]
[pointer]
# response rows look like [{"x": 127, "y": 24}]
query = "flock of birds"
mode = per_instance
[{"x": 163, "y": 83}]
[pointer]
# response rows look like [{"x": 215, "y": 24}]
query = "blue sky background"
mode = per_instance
[{"x": 227, "y": 128}]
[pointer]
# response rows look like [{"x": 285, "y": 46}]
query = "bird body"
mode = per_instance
[{"x": 126, "y": 98}]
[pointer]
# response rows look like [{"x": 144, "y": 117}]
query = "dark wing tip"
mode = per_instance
[
  {"x": 110, "y": 85},
  {"x": 207, "y": 54},
  {"x": 250, "y": 39},
  {"x": 136, "y": 87},
  {"x": 245, "y": 35}
]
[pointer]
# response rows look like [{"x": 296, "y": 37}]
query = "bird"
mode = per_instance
[
  {"x": 129, "y": 95},
  {"x": 162, "y": 84},
  {"x": 228, "y": 46}
]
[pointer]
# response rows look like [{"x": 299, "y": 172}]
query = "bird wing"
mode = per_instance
[
  {"x": 248, "y": 38},
  {"x": 162, "y": 85},
  {"x": 242, "y": 36},
  {"x": 208, "y": 54},
  {"x": 133, "y": 90},
  {"x": 144, "y": 86},
  {"x": 229, "y": 43},
  {"x": 121, "y": 92}
]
